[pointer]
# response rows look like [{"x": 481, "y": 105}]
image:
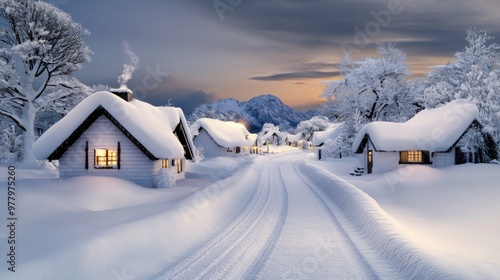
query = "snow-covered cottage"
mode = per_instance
[
  {"x": 320, "y": 137},
  {"x": 295, "y": 140},
  {"x": 438, "y": 137},
  {"x": 220, "y": 138},
  {"x": 112, "y": 134},
  {"x": 332, "y": 132},
  {"x": 272, "y": 136}
]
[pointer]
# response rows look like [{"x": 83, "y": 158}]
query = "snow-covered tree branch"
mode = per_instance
[
  {"x": 473, "y": 75},
  {"x": 40, "y": 46},
  {"x": 372, "y": 89}
]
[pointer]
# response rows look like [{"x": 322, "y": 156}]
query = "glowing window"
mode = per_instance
[
  {"x": 414, "y": 156},
  {"x": 164, "y": 163},
  {"x": 179, "y": 166},
  {"x": 105, "y": 158},
  {"x": 411, "y": 157}
]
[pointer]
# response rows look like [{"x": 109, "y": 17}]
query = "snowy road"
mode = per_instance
[{"x": 287, "y": 231}]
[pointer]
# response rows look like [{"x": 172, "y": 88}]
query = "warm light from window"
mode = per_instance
[
  {"x": 164, "y": 163},
  {"x": 105, "y": 158},
  {"x": 179, "y": 166},
  {"x": 414, "y": 156}
]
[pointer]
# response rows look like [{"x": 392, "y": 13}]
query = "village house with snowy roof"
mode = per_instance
[
  {"x": 319, "y": 138},
  {"x": 272, "y": 136},
  {"x": 222, "y": 138},
  {"x": 437, "y": 137},
  {"x": 113, "y": 134},
  {"x": 295, "y": 140}
]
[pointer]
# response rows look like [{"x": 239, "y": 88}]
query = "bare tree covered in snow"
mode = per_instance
[
  {"x": 372, "y": 89},
  {"x": 308, "y": 127},
  {"x": 40, "y": 47},
  {"x": 473, "y": 75}
]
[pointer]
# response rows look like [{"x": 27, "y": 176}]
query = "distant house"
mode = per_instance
[
  {"x": 436, "y": 137},
  {"x": 272, "y": 136},
  {"x": 112, "y": 134},
  {"x": 295, "y": 140},
  {"x": 252, "y": 146},
  {"x": 220, "y": 138},
  {"x": 320, "y": 137},
  {"x": 332, "y": 132}
]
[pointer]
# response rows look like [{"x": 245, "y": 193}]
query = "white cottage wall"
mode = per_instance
[
  {"x": 134, "y": 164},
  {"x": 382, "y": 161},
  {"x": 210, "y": 148},
  {"x": 443, "y": 159}
]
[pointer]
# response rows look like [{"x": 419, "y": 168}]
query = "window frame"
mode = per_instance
[
  {"x": 110, "y": 159},
  {"x": 414, "y": 157}
]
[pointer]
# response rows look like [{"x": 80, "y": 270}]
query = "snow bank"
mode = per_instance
[
  {"x": 152, "y": 126},
  {"x": 224, "y": 133},
  {"x": 431, "y": 129},
  {"x": 378, "y": 231},
  {"x": 101, "y": 227}
]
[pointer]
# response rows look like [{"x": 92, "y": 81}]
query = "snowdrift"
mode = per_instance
[
  {"x": 137, "y": 234},
  {"x": 388, "y": 242}
]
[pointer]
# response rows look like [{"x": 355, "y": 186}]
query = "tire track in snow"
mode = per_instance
[
  {"x": 338, "y": 225},
  {"x": 312, "y": 244},
  {"x": 251, "y": 236},
  {"x": 270, "y": 244}
]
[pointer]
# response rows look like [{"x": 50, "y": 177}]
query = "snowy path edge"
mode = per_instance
[{"x": 377, "y": 229}]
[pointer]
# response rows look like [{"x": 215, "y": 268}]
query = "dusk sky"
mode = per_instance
[{"x": 250, "y": 47}]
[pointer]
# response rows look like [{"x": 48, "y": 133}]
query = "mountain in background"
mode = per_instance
[{"x": 255, "y": 112}]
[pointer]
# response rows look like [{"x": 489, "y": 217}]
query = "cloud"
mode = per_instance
[
  {"x": 435, "y": 27},
  {"x": 186, "y": 99},
  {"x": 297, "y": 76}
]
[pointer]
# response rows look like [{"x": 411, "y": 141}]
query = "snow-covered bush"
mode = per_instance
[
  {"x": 195, "y": 129},
  {"x": 198, "y": 153},
  {"x": 164, "y": 179},
  {"x": 51, "y": 166},
  {"x": 332, "y": 148},
  {"x": 11, "y": 145}
]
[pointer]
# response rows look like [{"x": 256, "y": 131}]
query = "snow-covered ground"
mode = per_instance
[
  {"x": 276, "y": 216},
  {"x": 453, "y": 212}
]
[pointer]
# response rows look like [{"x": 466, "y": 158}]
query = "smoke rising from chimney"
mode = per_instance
[{"x": 130, "y": 66}]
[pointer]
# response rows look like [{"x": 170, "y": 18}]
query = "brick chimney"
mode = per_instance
[{"x": 123, "y": 92}]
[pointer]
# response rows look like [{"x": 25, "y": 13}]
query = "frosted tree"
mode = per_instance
[
  {"x": 10, "y": 144},
  {"x": 268, "y": 126},
  {"x": 372, "y": 89},
  {"x": 473, "y": 75},
  {"x": 445, "y": 81},
  {"x": 308, "y": 127},
  {"x": 40, "y": 46}
]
